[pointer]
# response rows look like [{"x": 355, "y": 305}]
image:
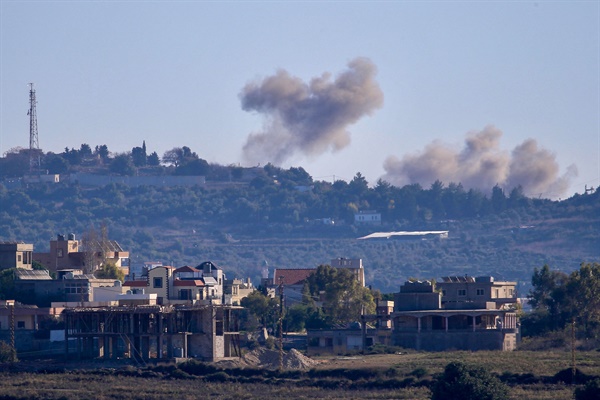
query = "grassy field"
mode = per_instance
[{"x": 530, "y": 375}]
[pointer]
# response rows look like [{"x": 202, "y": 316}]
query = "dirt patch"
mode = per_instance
[{"x": 265, "y": 358}]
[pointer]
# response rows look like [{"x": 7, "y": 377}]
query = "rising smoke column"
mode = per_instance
[
  {"x": 308, "y": 118},
  {"x": 482, "y": 164}
]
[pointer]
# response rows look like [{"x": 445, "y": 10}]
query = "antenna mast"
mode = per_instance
[{"x": 34, "y": 144}]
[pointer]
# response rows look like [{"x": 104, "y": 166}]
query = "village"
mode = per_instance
[{"x": 163, "y": 312}]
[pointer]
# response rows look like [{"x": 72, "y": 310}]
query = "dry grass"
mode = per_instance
[{"x": 359, "y": 377}]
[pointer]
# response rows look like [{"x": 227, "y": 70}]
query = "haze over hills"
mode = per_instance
[{"x": 241, "y": 217}]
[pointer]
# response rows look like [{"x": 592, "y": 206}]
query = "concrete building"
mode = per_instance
[
  {"x": 235, "y": 290},
  {"x": 367, "y": 217},
  {"x": 185, "y": 285},
  {"x": 69, "y": 288},
  {"x": 462, "y": 313},
  {"x": 209, "y": 333},
  {"x": 292, "y": 279},
  {"x": 16, "y": 255},
  {"x": 88, "y": 256}
]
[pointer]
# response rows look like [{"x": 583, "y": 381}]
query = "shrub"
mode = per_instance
[
  {"x": 589, "y": 392},
  {"x": 463, "y": 382},
  {"x": 7, "y": 353}
]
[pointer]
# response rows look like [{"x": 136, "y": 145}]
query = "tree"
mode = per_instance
[
  {"x": 110, "y": 271},
  {"x": 178, "y": 156},
  {"x": 122, "y": 165},
  {"x": 344, "y": 297},
  {"x": 153, "y": 159},
  {"x": 460, "y": 381},
  {"x": 583, "y": 297},
  {"x": 264, "y": 308},
  {"x": 85, "y": 150},
  {"x": 55, "y": 164},
  {"x": 139, "y": 157},
  {"x": 102, "y": 152}
]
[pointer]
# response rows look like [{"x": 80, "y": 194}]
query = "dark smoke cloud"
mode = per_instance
[
  {"x": 481, "y": 164},
  {"x": 308, "y": 118}
]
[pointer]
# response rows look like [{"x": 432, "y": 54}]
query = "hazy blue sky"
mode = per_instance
[{"x": 478, "y": 92}]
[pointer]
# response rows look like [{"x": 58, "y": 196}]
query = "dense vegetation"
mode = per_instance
[
  {"x": 561, "y": 301},
  {"x": 242, "y": 217}
]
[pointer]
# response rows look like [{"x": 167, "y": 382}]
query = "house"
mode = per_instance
[
  {"x": 25, "y": 321},
  {"x": 235, "y": 290},
  {"x": 340, "y": 341},
  {"x": 367, "y": 217},
  {"x": 462, "y": 313},
  {"x": 292, "y": 279},
  {"x": 198, "y": 285},
  {"x": 355, "y": 337},
  {"x": 88, "y": 255},
  {"x": 70, "y": 287},
  {"x": 16, "y": 255}
]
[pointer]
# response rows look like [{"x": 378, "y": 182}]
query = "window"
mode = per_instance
[
  {"x": 21, "y": 324},
  {"x": 158, "y": 283},
  {"x": 511, "y": 292},
  {"x": 19, "y": 258},
  {"x": 480, "y": 292},
  {"x": 59, "y": 253},
  {"x": 462, "y": 292}
]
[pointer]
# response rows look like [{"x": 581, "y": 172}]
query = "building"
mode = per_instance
[
  {"x": 462, "y": 313},
  {"x": 234, "y": 290},
  {"x": 16, "y": 255},
  {"x": 367, "y": 217},
  {"x": 292, "y": 279},
  {"x": 70, "y": 287},
  {"x": 355, "y": 265},
  {"x": 209, "y": 333},
  {"x": 196, "y": 285},
  {"x": 88, "y": 255}
]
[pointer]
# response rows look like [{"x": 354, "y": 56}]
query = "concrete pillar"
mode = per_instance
[
  {"x": 473, "y": 322},
  {"x": 145, "y": 347},
  {"x": 446, "y": 320}
]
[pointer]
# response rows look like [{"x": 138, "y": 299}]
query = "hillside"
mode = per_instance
[{"x": 240, "y": 226}]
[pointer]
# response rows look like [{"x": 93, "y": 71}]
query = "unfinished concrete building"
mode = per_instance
[{"x": 209, "y": 333}]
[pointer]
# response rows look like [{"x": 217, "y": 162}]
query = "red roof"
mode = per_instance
[
  {"x": 188, "y": 282},
  {"x": 135, "y": 283},
  {"x": 292, "y": 276}
]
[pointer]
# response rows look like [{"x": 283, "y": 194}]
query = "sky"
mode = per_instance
[{"x": 482, "y": 93}]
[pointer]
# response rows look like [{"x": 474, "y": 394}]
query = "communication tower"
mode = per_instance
[{"x": 34, "y": 144}]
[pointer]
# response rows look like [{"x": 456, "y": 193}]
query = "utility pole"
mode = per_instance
[
  {"x": 11, "y": 306},
  {"x": 281, "y": 323},
  {"x": 34, "y": 144},
  {"x": 573, "y": 369}
]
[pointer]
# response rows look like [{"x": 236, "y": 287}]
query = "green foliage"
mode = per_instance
[
  {"x": 344, "y": 299},
  {"x": 110, "y": 271},
  {"x": 560, "y": 300},
  {"x": 464, "y": 382},
  {"x": 7, "y": 353},
  {"x": 122, "y": 165},
  {"x": 591, "y": 391},
  {"x": 264, "y": 308}
]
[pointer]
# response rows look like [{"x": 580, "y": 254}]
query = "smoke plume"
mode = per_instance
[
  {"x": 308, "y": 118},
  {"x": 482, "y": 164}
]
